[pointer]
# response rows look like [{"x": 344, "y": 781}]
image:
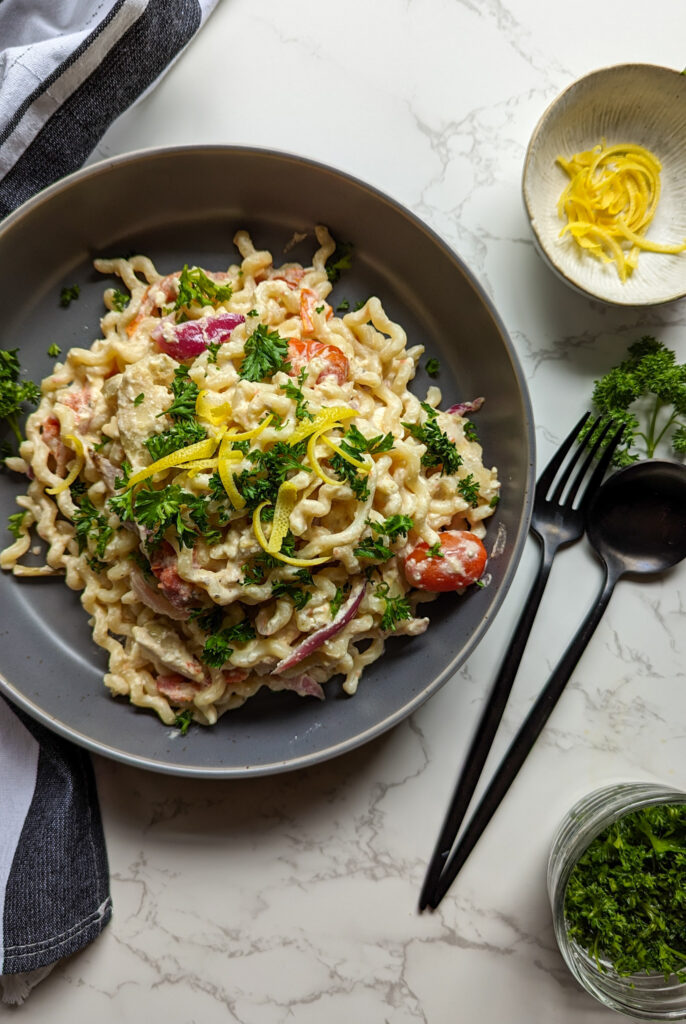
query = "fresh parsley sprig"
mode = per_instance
[
  {"x": 646, "y": 393},
  {"x": 218, "y": 650},
  {"x": 13, "y": 392}
]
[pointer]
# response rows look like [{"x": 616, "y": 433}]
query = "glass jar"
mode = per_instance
[{"x": 644, "y": 996}]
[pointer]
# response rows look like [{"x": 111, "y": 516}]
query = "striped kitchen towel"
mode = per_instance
[
  {"x": 54, "y": 882},
  {"x": 68, "y": 69}
]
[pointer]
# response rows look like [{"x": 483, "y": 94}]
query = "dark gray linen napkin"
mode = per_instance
[{"x": 68, "y": 69}]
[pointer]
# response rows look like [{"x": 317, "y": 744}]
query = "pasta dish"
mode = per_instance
[{"x": 237, "y": 479}]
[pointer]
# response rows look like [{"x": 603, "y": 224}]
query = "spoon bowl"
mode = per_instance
[{"x": 637, "y": 520}]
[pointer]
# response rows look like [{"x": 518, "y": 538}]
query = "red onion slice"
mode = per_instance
[
  {"x": 303, "y": 685},
  {"x": 147, "y": 595},
  {"x": 189, "y": 339},
  {"x": 463, "y": 408},
  {"x": 320, "y": 636}
]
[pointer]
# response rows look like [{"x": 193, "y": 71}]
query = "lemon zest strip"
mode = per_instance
[
  {"x": 200, "y": 450},
  {"x": 324, "y": 419},
  {"x": 76, "y": 444},
  {"x": 264, "y": 544},
  {"x": 215, "y": 413},
  {"x": 285, "y": 503}
]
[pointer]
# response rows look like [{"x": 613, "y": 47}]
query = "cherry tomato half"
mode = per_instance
[
  {"x": 461, "y": 561},
  {"x": 300, "y": 353}
]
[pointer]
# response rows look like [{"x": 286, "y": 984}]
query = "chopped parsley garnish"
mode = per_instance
[
  {"x": 373, "y": 549},
  {"x": 253, "y": 312},
  {"x": 265, "y": 353},
  {"x": 218, "y": 650},
  {"x": 343, "y": 306},
  {"x": 294, "y": 392},
  {"x": 185, "y": 392},
  {"x": 256, "y": 573},
  {"x": 340, "y": 259},
  {"x": 440, "y": 450},
  {"x": 470, "y": 433},
  {"x": 139, "y": 398},
  {"x": 196, "y": 287},
  {"x": 433, "y": 367},
  {"x": 212, "y": 350},
  {"x": 494, "y": 501},
  {"x": 649, "y": 383},
  {"x": 172, "y": 506},
  {"x": 119, "y": 300},
  {"x": 396, "y": 608},
  {"x": 338, "y": 599},
  {"x": 13, "y": 392},
  {"x": 468, "y": 489},
  {"x": 354, "y": 443},
  {"x": 393, "y": 527},
  {"x": 293, "y": 588},
  {"x": 319, "y": 309},
  {"x": 183, "y": 721},
  {"x": 435, "y": 551},
  {"x": 54, "y": 351},
  {"x": 271, "y": 468},
  {"x": 69, "y": 295},
  {"x": 626, "y": 896},
  {"x": 89, "y": 524},
  {"x": 14, "y": 524},
  {"x": 359, "y": 304},
  {"x": 179, "y": 436}
]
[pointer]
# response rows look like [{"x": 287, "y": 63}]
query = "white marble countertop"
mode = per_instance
[{"x": 293, "y": 898}]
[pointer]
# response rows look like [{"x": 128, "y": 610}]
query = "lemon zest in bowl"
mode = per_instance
[{"x": 610, "y": 201}]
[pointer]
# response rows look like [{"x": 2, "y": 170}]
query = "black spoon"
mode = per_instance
[{"x": 637, "y": 524}]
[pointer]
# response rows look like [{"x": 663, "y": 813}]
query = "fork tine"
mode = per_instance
[
  {"x": 548, "y": 475},
  {"x": 583, "y": 445},
  {"x": 603, "y": 464}
]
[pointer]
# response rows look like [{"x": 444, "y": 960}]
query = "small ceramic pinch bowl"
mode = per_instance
[{"x": 639, "y": 104}]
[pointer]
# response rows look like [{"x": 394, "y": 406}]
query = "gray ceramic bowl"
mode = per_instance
[
  {"x": 184, "y": 205},
  {"x": 629, "y": 103}
]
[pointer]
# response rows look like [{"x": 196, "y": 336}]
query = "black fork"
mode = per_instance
[{"x": 556, "y": 521}]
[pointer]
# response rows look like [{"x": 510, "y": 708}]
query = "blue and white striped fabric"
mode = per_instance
[{"x": 68, "y": 69}]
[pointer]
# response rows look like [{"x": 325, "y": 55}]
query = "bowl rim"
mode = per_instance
[
  {"x": 554, "y": 265},
  {"x": 111, "y": 750}
]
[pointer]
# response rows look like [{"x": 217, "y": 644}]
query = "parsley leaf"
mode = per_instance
[
  {"x": 89, "y": 524},
  {"x": 293, "y": 588},
  {"x": 196, "y": 287},
  {"x": 69, "y": 295},
  {"x": 14, "y": 524},
  {"x": 179, "y": 436},
  {"x": 265, "y": 353},
  {"x": 433, "y": 367},
  {"x": 393, "y": 527},
  {"x": 440, "y": 450},
  {"x": 340, "y": 259},
  {"x": 13, "y": 392},
  {"x": 54, "y": 351},
  {"x": 119, "y": 300},
  {"x": 139, "y": 398},
  {"x": 395, "y": 608},
  {"x": 183, "y": 721},
  {"x": 338, "y": 599},
  {"x": 185, "y": 392},
  {"x": 217, "y": 649},
  {"x": 373, "y": 549},
  {"x": 468, "y": 488},
  {"x": 294, "y": 392},
  {"x": 172, "y": 506}
]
